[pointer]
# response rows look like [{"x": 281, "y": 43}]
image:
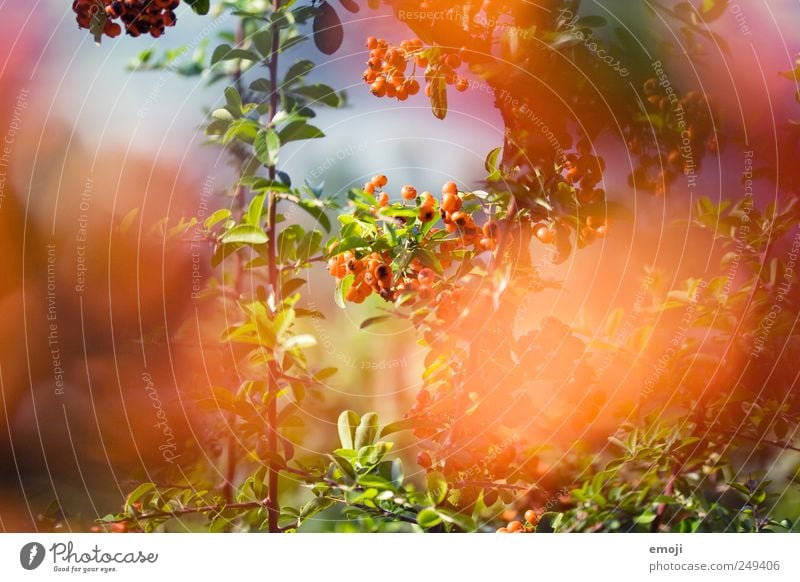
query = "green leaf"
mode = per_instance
[
  {"x": 262, "y": 41},
  {"x": 266, "y": 146},
  {"x": 199, "y": 6},
  {"x": 314, "y": 209},
  {"x": 216, "y": 217},
  {"x": 291, "y": 286},
  {"x": 436, "y": 484},
  {"x": 645, "y": 518},
  {"x": 245, "y": 234},
  {"x": 344, "y": 466},
  {"x": 261, "y": 86},
  {"x": 138, "y": 493},
  {"x": 373, "y": 454},
  {"x": 591, "y": 21},
  {"x": 244, "y": 130},
  {"x": 373, "y": 320},
  {"x": 297, "y": 71},
  {"x": 549, "y": 522},
  {"x": 374, "y": 481},
  {"x": 350, "y": 243},
  {"x": 320, "y": 93},
  {"x": 367, "y": 431},
  {"x": 299, "y": 130},
  {"x": 226, "y": 52},
  {"x": 255, "y": 210},
  {"x": 428, "y": 518},
  {"x": 256, "y": 183},
  {"x": 347, "y": 424},
  {"x": 234, "y": 101},
  {"x": 342, "y": 287},
  {"x": 463, "y": 522},
  {"x": 315, "y": 506},
  {"x": 492, "y": 159}
]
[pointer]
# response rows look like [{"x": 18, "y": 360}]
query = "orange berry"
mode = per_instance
[
  {"x": 383, "y": 199},
  {"x": 461, "y": 219},
  {"x": 372, "y": 43},
  {"x": 426, "y": 213},
  {"x": 450, "y": 188},
  {"x": 336, "y": 267},
  {"x": 384, "y": 275},
  {"x": 369, "y": 188},
  {"x": 427, "y": 199},
  {"x": 453, "y": 61},
  {"x": 486, "y": 243},
  {"x": 408, "y": 192},
  {"x": 112, "y": 29},
  {"x": 531, "y": 517},
  {"x": 543, "y": 233},
  {"x": 370, "y": 76},
  {"x": 451, "y": 202},
  {"x": 355, "y": 266},
  {"x": 514, "y": 526},
  {"x": 353, "y": 295},
  {"x": 490, "y": 228},
  {"x": 377, "y": 88},
  {"x": 424, "y": 460},
  {"x": 503, "y": 530},
  {"x": 412, "y": 86},
  {"x": 462, "y": 85},
  {"x": 380, "y": 180}
]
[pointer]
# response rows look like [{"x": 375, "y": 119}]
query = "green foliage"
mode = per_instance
[{"x": 667, "y": 468}]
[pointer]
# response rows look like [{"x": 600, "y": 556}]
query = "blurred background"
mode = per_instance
[{"x": 94, "y": 156}]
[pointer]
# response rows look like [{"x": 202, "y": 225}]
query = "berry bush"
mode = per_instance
[{"x": 651, "y": 420}]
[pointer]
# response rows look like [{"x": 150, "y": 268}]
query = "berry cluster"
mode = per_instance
[
  {"x": 371, "y": 273},
  {"x": 688, "y": 133},
  {"x": 516, "y": 526},
  {"x": 387, "y": 67},
  {"x": 414, "y": 281},
  {"x": 136, "y": 16}
]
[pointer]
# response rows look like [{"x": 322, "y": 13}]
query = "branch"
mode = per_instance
[
  {"x": 777, "y": 444},
  {"x": 188, "y": 511}
]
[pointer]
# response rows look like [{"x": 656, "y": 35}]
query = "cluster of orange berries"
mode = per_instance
[
  {"x": 516, "y": 526},
  {"x": 371, "y": 273},
  {"x": 445, "y": 67},
  {"x": 455, "y": 220},
  {"x": 387, "y": 67},
  {"x": 137, "y": 16}
]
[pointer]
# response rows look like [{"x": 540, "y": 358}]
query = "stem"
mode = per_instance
[
  {"x": 669, "y": 489},
  {"x": 273, "y": 503},
  {"x": 188, "y": 511},
  {"x": 758, "y": 441}
]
